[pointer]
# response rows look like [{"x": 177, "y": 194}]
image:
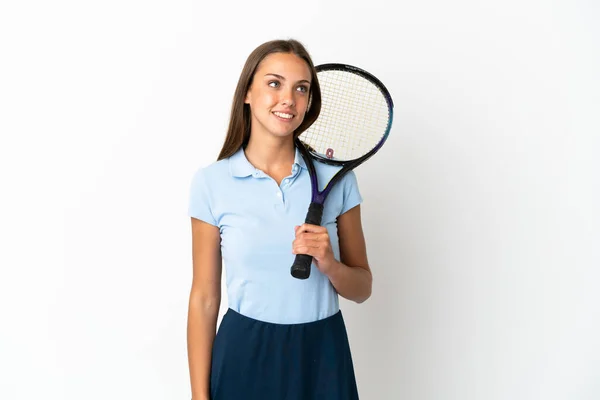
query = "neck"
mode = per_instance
[{"x": 271, "y": 155}]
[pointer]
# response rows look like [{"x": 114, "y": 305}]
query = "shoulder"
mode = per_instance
[
  {"x": 345, "y": 194},
  {"x": 325, "y": 172},
  {"x": 206, "y": 190},
  {"x": 212, "y": 174}
]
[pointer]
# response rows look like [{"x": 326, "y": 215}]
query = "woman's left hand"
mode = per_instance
[{"x": 314, "y": 241}]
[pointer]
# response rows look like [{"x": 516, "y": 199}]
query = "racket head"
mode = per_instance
[{"x": 355, "y": 119}]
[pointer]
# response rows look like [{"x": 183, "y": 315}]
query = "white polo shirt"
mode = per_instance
[{"x": 256, "y": 218}]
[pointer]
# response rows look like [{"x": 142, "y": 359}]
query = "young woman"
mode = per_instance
[{"x": 282, "y": 337}]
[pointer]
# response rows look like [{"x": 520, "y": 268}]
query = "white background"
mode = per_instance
[{"x": 481, "y": 212}]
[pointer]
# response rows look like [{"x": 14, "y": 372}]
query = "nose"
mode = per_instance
[{"x": 288, "y": 98}]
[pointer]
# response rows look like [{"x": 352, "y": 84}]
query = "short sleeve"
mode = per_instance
[
  {"x": 352, "y": 196},
  {"x": 199, "y": 202}
]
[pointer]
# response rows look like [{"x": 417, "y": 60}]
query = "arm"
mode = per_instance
[
  {"x": 204, "y": 302},
  {"x": 352, "y": 276}
]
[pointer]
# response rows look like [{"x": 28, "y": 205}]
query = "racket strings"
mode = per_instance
[{"x": 353, "y": 120}]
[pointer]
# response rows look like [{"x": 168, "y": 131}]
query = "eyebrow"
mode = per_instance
[{"x": 283, "y": 79}]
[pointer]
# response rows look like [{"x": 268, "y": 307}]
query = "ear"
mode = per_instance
[{"x": 247, "y": 99}]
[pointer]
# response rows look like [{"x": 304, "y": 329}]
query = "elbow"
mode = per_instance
[
  {"x": 363, "y": 298},
  {"x": 366, "y": 293},
  {"x": 205, "y": 302}
]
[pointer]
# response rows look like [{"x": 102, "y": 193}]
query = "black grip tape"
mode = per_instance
[
  {"x": 301, "y": 267},
  {"x": 315, "y": 214}
]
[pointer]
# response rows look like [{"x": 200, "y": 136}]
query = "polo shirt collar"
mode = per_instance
[
  {"x": 299, "y": 160},
  {"x": 240, "y": 167}
]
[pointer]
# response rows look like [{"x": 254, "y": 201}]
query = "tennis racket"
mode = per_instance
[{"x": 355, "y": 121}]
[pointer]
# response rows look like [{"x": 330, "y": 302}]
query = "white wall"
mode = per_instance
[{"x": 481, "y": 212}]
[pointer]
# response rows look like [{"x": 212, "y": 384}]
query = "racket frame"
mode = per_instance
[{"x": 302, "y": 264}]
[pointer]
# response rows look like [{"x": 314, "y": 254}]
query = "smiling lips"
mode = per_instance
[{"x": 283, "y": 116}]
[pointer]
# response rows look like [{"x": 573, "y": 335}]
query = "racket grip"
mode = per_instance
[{"x": 301, "y": 267}]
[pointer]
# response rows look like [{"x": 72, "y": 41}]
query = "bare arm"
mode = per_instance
[
  {"x": 352, "y": 277},
  {"x": 204, "y": 302}
]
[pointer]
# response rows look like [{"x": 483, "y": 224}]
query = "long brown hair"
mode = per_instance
[{"x": 238, "y": 132}]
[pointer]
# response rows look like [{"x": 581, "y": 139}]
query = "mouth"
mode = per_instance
[{"x": 283, "y": 116}]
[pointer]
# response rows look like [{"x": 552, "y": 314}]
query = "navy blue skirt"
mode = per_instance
[{"x": 256, "y": 360}]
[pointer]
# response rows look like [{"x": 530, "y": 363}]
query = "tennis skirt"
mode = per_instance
[{"x": 255, "y": 360}]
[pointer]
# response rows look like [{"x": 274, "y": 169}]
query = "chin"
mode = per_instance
[{"x": 283, "y": 132}]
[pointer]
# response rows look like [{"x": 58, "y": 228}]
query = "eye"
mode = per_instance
[
  {"x": 303, "y": 89},
  {"x": 274, "y": 84}
]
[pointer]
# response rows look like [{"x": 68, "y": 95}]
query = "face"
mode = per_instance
[{"x": 279, "y": 94}]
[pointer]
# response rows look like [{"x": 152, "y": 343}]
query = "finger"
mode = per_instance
[
  {"x": 316, "y": 252},
  {"x": 311, "y": 228},
  {"x": 321, "y": 233},
  {"x": 319, "y": 237},
  {"x": 312, "y": 239},
  {"x": 308, "y": 243}
]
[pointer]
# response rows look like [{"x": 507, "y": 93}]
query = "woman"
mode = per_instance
[{"x": 281, "y": 338}]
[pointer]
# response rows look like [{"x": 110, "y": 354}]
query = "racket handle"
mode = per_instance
[{"x": 301, "y": 267}]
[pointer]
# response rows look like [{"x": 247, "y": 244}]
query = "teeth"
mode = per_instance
[{"x": 283, "y": 115}]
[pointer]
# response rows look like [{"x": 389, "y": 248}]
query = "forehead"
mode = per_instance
[{"x": 288, "y": 65}]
